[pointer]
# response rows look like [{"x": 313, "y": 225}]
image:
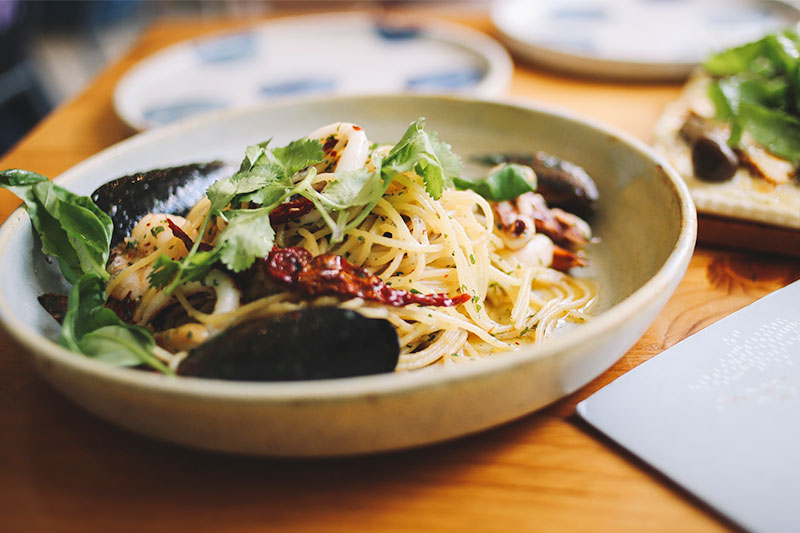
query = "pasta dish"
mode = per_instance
[{"x": 459, "y": 268}]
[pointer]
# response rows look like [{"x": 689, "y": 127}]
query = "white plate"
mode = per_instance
[
  {"x": 633, "y": 39},
  {"x": 310, "y": 55},
  {"x": 643, "y": 255}
]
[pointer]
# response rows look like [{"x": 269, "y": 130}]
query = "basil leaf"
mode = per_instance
[
  {"x": 773, "y": 129},
  {"x": 71, "y": 227},
  {"x": 757, "y": 90},
  {"x": 92, "y": 329},
  {"x": 122, "y": 345},
  {"x": 769, "y": 93},
  {"x": 504, "y": 184},
  {"x": 782, "y": 50},
  {"x": 735, "y": 60}
]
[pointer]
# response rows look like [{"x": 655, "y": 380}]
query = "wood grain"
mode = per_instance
[{"x": 63, "y": 470}]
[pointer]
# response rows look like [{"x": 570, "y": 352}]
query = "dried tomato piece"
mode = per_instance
[
  {"x": 290, "y": 210},
  {"x": 187, "y": 241},
  {"x": 332, "y": 274}
]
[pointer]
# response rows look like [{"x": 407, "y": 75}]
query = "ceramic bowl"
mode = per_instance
[{"x": 646, "y": 223}]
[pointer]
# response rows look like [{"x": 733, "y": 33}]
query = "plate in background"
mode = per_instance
[
  {"x": 633, "y": 39},
  {"x": 310, "y": 55}
]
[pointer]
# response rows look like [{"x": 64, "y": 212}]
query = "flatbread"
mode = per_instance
[{"x": 744, "y": 196}]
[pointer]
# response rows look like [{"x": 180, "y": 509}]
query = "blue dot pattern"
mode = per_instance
[
  {"x": 298, "y": 86},
  {"x": 445, "y": 80},
  {"x": 227, "y": 49},
  {"x": 164, "y": 114}
]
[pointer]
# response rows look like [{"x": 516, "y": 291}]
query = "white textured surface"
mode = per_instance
[{"x": 718, "y": 413}]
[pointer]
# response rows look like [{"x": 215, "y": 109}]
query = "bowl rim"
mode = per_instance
[{"x": 382, "y": 385}]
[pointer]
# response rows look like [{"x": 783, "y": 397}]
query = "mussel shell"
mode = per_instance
[
  {"x": 171, "y": 190},
  {"x": 562, "y": 184},
  {"x": 55, "y": 305},
  {"x": 565, "y": 185},
  {"x": 312, "y": 343}
]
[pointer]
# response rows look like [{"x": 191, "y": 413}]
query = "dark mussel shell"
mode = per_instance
[
  {"x": 55, "y": 304},
  {"x": 312, "y": 343},
  {"x": 562, "y": 184},
  {"x": 171, "y": 190}
]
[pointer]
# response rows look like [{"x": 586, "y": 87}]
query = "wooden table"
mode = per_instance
[{"x": 63, "y": 470}]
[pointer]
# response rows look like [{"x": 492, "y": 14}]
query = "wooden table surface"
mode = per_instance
[{"x": 63, "y": 470}]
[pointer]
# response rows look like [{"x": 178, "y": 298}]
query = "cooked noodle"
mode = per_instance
[{"x": 416, "y": 243}]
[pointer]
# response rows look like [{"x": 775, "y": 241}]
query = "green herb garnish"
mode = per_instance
[
  {"x": 504, "y": 184},
  {"x": 756, "y": 88}
]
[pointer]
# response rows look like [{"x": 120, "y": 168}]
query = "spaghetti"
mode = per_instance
[{"x": 452, "y": 245}]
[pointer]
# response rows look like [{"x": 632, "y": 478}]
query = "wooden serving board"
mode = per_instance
[{"x": 736, "y": 234}]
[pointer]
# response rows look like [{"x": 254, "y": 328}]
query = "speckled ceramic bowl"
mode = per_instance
[{"x": 646, "y": 222}]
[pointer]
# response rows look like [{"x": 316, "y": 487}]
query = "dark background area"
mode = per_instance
[{"x": 50, "y": 49}]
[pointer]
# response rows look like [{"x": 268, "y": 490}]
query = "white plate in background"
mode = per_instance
[
  {"x": 633, "y": 39},
  {"x": 310, "y": 55}
]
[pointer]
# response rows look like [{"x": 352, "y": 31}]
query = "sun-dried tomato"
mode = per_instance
[
  {"x": 332, "y": 274},
  {"x": 187, "y": 241},
  {"x": 290, "y": 210}
]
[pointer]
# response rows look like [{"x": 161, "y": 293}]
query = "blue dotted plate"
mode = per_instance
[
  {"x": 633, "y": 39},
  {"x": 331, "y": 53}
]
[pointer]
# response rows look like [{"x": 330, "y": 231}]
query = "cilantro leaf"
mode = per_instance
[
  {"x": 351, "y": 189},
  {"x": 223, "y": 191},
  {"x": 263, "y": 168},
  {"x": 266, "y": 179},
  {"x": 71, "y": 227},
  {"x": 504, "y": 184},
  {"x": 252, "y": 154},
  {"x": 164, "y": 271},
  {"x": 271, "y": 193},
  {"x": 451, "y": 163},
  {"x": 248, "y": 235},
  {"x": 298, "y": 155},
  {"x": 420, "y": 152}
]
